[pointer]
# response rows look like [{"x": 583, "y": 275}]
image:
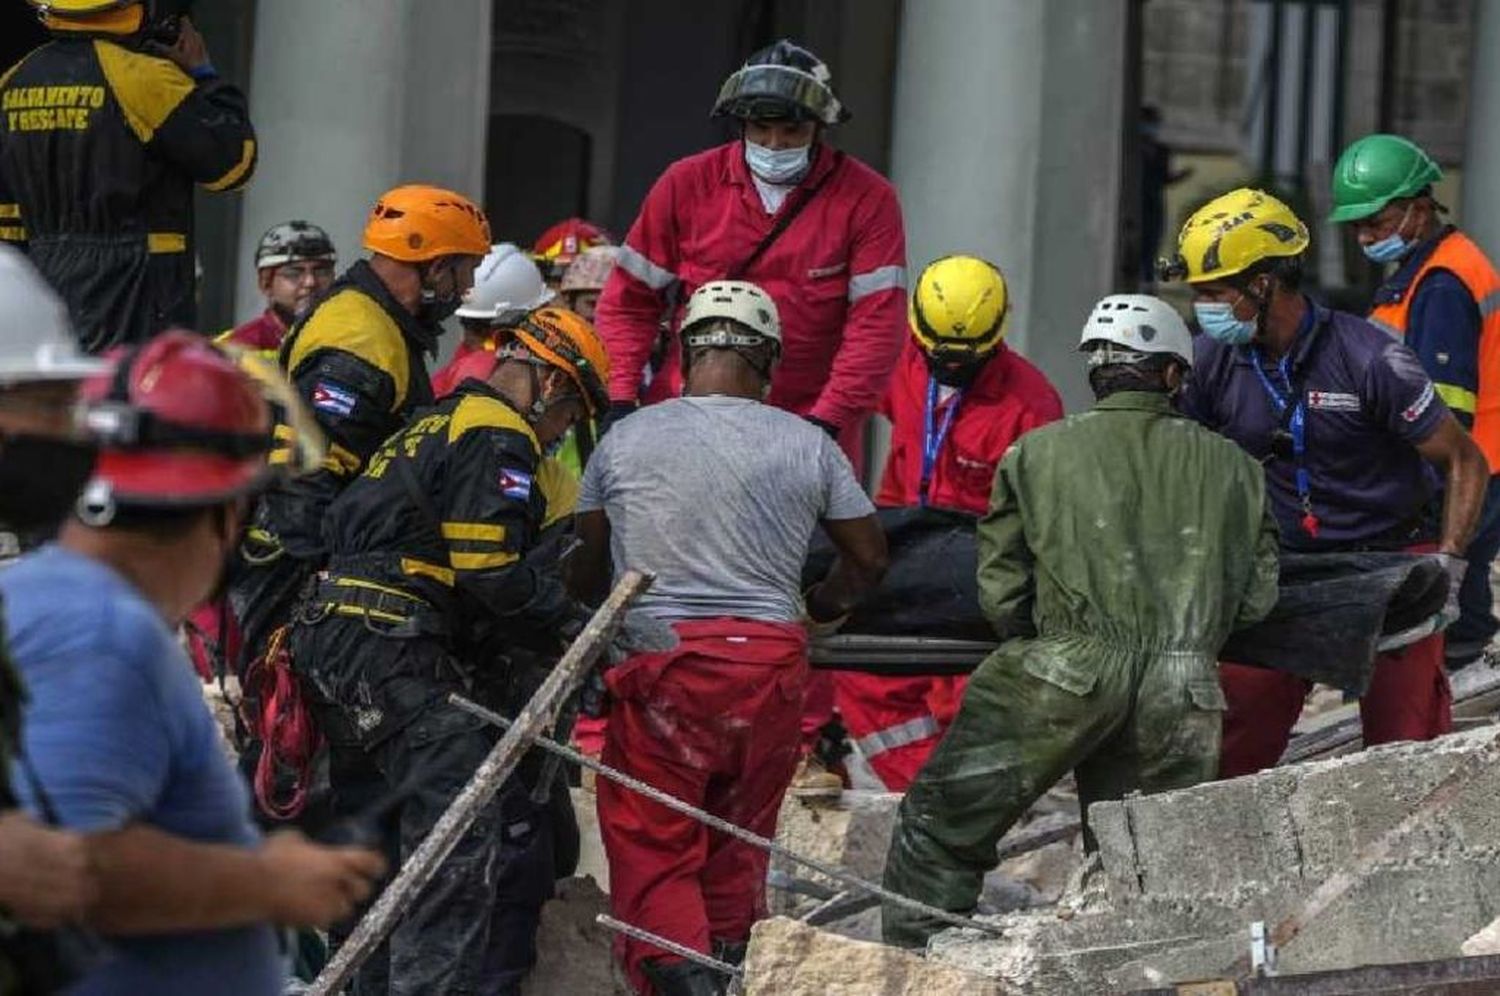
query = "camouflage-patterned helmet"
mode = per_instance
[
  {"x": 293, "y": 240},
  {"x": 589, "y": 269}
]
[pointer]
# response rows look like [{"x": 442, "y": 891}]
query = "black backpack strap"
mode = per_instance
[{"x": 785, "y": 221}]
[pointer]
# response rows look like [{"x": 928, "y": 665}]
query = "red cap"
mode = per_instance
[
  {"x": 566, "y": 239},
  {"x": 179, "y": 424}
]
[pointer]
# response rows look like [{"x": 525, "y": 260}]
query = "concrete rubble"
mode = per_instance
[
  {"x": 1182, "y": 875},
  {"x": 789, "y": 958}
]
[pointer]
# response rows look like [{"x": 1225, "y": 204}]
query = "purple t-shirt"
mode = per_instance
[{"x": 1368, "y": 404}]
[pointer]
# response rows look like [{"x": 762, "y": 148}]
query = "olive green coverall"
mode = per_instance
[{"x": 1121, "y": 548}]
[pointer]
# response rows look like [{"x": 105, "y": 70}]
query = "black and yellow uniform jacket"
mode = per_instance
[
  {"x": 357, "y": 359},
  {"x": 100, "y": 146},
  {"x": 445, "y": 514}
]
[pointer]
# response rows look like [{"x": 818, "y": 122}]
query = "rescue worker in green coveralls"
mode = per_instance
[
  {"x": 1442, "y": 298},
  {"x": 1121, "y": 548}
]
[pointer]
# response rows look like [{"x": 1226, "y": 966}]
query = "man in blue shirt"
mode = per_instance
[
  {"x": 117, "y": 733},
  {"x": 1443, "y": 300},
  {"x": 1350, "y": 430}
]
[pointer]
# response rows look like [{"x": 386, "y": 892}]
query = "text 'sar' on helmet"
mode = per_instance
[
  {"x": 417, "y": 223},
  {"x": 959, "y": 307},
  {"x": 1378, "y": 169},
  {"x": 783, "y": 81},
  {"x": 37, "y": 341},
  {"x": 292, "y": 241},
  {"x": 1233, "y": 232},
  {"x": 1136, "y": 324},
  {"x": 507, "y": 284},
  {"x": 179, "y": 426},
  {"x": 731, "y": 314}
]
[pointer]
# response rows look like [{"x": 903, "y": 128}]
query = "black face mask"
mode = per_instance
[
  {"x": 954, "y": 373},
  {"x": 434, "y": 309},
  {"x": 40, "y": 479}
]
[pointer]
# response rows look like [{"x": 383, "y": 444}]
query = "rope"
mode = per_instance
[{"x": 730, "y": 829}]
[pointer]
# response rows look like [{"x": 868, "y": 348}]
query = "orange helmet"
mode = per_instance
[
  {"x": 560, "y": 245},
  {"x": 565, "y": 339},
  {"x": 179, "y": 426},
  {"x": 418, "y": 223}
]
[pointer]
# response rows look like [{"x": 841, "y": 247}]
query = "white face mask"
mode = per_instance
[{"x": 777, "y": 165}]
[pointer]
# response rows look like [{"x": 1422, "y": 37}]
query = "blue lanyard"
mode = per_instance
[
  {"x": 932, "y": 442},
  {"x": 1297, "y": 426}
]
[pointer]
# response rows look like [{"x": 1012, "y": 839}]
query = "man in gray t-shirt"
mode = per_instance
[{"x": 717, "y": 495}]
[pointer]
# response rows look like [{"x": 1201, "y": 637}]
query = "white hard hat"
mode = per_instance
[
  {"x": 738, "y": 301},
  {"x": 36, "y": 338},
  {"x": 1139, "y": 323},
  {"x": 507, "y": 285}
]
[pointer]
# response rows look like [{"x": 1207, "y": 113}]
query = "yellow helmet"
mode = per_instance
[
  {"x": 1232, "y": 233},
  {"x": 959, "y": 307}
]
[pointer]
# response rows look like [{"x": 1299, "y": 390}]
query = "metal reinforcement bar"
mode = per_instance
[
  {"x": 537, "y": 715},
  {"x": 724, "y": 827},
  {"x": 637, "y": 933}
]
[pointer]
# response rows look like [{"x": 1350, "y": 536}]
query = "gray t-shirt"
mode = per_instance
[{"x": 718, "y": 497}]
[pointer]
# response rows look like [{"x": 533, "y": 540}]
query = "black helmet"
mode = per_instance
[
  {"x": 782, "y": 81},
  {"x": 293, "y": 240}
]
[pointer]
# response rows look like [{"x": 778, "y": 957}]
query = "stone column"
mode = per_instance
[{"x": 1481, "y": 180}]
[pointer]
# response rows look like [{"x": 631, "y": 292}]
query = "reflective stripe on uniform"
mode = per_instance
[
  {"x": 474, "y": 531},
  {"x": 881, "y": 278},
  {"x": 12, "y": 233},
  {"x": 1458, "y": 398},
  {"x": 238, "y": 171},
  {"x": 899, "y": 735},
  {"x": 647, "y": 272},
  {"x": 1387, "y": 328},
  {"x": 10, "y": 210},
  {"x": 482, "y": 561},
  {"x": 165, "y": 242},
  {"x": 1489, "y": 304},
  {"x": 423, "y": 568}
]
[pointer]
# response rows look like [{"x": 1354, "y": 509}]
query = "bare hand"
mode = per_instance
[
  {"x": 46, "y": 878},
  {"x": 189, "y": 52},
  {"x": 313, "y": 885}
]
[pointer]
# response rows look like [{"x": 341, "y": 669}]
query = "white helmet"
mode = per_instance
[
  {"x": 1137, "y": 323},
  {"x": 507, "y": 285},
  {"x": 731, "y": 301},
  {"x": 37, "y": 341}
]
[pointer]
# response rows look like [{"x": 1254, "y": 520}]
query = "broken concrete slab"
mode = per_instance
[
  {"x": 788, "y": 958},
  {"x": 852, "y": 832},
  {"x": 1185, "y": 873}
]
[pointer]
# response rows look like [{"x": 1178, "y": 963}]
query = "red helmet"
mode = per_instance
[
  {"x": 560, "y": 244},
  {"x": 179, "y": 426}
]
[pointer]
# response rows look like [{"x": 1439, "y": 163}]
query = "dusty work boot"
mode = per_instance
[
  {"x": 730, "y": 952},
  {"x": 684, "y": 978},
  {"x": 813, "y": 781}
]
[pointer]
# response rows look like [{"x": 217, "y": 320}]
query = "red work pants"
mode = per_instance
[
  {"x": 891, "y": 721},
  {"x": 1408, "y": 699},
  {"x": 713, "y": 722}
]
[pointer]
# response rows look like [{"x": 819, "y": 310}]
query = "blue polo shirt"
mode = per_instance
[
  {"x": 1368, "y": 403},
  {"x": 1443, "y": 326},
  {"x": 118, "y": 733}
]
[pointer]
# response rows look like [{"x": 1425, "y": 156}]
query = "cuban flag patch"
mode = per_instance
[
  {"x": 333, "y": 398},
  {"x": 515, "y": 484}
]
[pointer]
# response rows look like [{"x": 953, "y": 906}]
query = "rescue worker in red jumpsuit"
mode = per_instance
[
  {"x": 717, "y": 495},
  {"x": 820, "y": 231},
  {"x": 293, "y": 265},
  {"x": 959, "y": 399}
]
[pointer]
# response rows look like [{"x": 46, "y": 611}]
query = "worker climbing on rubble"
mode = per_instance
[
  {"x": 357, "y": 361},
  {"x": 557, "y": 247},
  {"x": 1112, "y": 587},
  {"x": 106, "y": 129},
  {"x": 293, "y": 264},
  {"x": 45, "y": 457},
  {"x": 427, "y": 585},
  {"x": 120, "y": 743},
  {"x": 722, "y": 517},
  {"x": 817, "y": 229},
  {"x": 1442, "y": 299},
  {"x": 1349, "y": 429},
  {"x": 959, "y": 399},
  {"x": 507, "y": 285}
]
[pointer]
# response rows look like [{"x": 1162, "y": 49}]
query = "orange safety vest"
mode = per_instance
[{"x": 1458, "y": 254}]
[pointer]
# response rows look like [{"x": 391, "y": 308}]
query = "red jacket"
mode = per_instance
[
  {"x": 1008, "y": 398},
  {"x": 262, "y": 333},
  {"x": 837, "y": 275}
]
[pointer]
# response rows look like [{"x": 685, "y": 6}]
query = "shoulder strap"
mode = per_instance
[{"x": 785, "y": 221}]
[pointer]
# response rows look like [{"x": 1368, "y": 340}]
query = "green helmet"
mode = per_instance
[{"x": 1376, "y": 170}]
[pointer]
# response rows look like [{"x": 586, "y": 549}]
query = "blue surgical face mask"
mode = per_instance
[
  {"x": 1391, "y": 248},
  {"x": 780, "y": 166},
  {"x": 1217, "y": 320}
]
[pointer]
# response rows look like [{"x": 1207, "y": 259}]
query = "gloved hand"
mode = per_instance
[
  {"x": 1456, "y": 567},
  {"x": 828, "y": 427},
  {"x": 639, "y": 633}
]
